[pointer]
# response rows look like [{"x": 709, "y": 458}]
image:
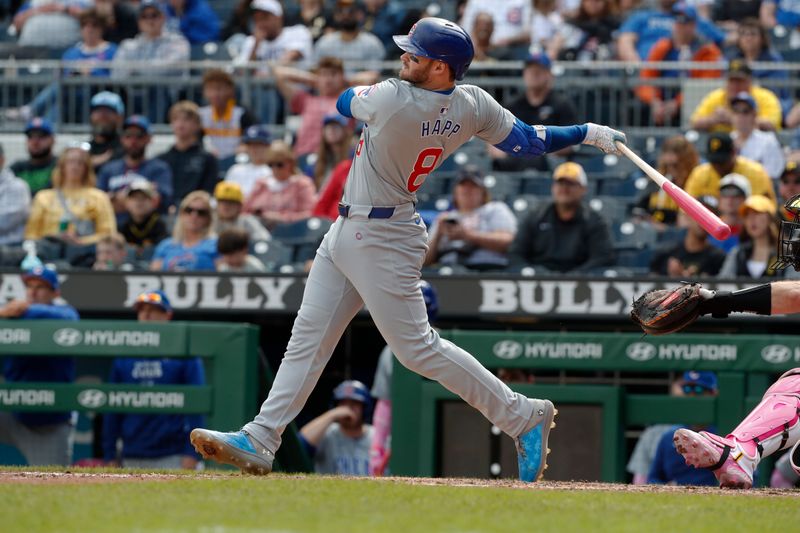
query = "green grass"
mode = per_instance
[{"x": 286, "y": 503}]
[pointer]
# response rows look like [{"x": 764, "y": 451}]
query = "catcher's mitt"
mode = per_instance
[{"x": 663, "y": 311}]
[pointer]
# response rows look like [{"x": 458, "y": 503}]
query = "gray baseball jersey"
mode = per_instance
[
  {"x": 339, "y": 454},
  {"x": 377, "y": 261},
  {"x": 410, "y": 132}
]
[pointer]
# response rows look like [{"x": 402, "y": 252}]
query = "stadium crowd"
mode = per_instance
[
  {"x": 251, "y": 181},
  {"x": 229, "y": 181}
]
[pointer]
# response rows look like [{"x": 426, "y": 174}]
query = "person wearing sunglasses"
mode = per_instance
[
  {"x": 789, "y": 186},
  {"x": 193, "y": 245},
  {"x": 288, "y": 196},
  {"x": 668, "y": 467}
]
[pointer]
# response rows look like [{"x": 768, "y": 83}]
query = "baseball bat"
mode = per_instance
[{"x": 708, "y": 220}]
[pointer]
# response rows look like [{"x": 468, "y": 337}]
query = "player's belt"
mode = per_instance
[{"x": 375, "y": 212}]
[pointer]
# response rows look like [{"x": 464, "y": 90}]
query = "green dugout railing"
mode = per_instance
[
  {"x": 230, "y": 353},
  {"x": 744, "y": 364}
]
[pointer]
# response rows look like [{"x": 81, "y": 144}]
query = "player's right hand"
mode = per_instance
[{"x": 604, "y": 138}]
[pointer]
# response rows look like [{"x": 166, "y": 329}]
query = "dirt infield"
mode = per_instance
[{"x": 87, "y": 476}]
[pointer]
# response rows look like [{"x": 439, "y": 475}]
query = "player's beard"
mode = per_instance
[{"x": 420, "y": 76}]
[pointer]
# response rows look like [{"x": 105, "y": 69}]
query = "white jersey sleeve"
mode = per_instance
[
  {"x": 493, "y": 121},
  {"x": 375, "y": 103}
]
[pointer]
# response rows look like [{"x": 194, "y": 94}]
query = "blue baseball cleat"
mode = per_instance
[
  {"x": 532, "y": 447},
  {"x": 237, "y": 449}
]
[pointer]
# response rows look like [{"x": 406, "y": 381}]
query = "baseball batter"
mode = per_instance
[
  {"x": 774, "y": 424},
  {"x": 373, "y": 253}
]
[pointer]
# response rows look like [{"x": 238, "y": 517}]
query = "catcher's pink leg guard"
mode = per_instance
[{"x": 772, "y": 426}]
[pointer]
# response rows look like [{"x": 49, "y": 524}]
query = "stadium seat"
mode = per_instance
[
  {"x": 273, "y": 254},
  {"x": 613, "y": 208},
  {"x": 301, "y": 232},
  {"x": 537, "y": 184},
  {"x": 502, "y": 185},
  {"x": 634, "y": 235}
]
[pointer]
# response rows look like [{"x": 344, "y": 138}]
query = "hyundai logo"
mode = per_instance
[
  {"x": 508, "y": 349},
  {"x": 640, "y": 351},
  {"x": 776, "y": 353},
  {"x": 92, "y": 398},
  {"x": 67, "y": 337}
]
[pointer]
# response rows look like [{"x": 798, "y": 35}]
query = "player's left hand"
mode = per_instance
[
  {"x": 604, "y": 138},
  {"x": 14, "y": 309}
]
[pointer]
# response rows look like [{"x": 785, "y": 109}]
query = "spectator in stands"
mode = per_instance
[
  {"x": 287, "y": 196},
  {"x": 49, "y": 23},
  {"x": 545, "y": 20},
  {"x": 789, "y": 186},
  {"x": 193, "y": 168},
  {"x": 194, "y": 19},
  {"x": 589, "y": 34},
  {"x": 684, "y": 44},
  {"x": 564, "y": 235},
  {"x": 153, "y": 47},
  {"x": 233, "y": 246},
  {"x": 385, "y": 18},
  {"x": 38, "y": 168},
  {"x": 106, "y": 113},
  {"x": 256, "y": 141},
  {"x": 642, "y": 29},
  {"x": 152, "y": 441},
  {"x": 42, "y": 438},
  {"x": 358, "y": 49},
  {"x": 224, "y": 120},
  {"x": 540, "y": 104},
  {"x": 481, "y": 35},
  {"x": 143, "y": 225},
  {"x": 336, "y": 146},
  {"x": 753, "y": 44},
  {"x": 57, "y": 100},
  {"x": 328, "y": 82},
  {"x": 693, "y": 256},
  {"x": 312, "y": 14},
  {"x": 193, "y": 245},
  {"x": 760, "y": 146},
  {"x": 330, "y": 195},
  {"x": 734, "y": 189},
  {"x": 714, "y": 113},
  {"x": 73, "y": 210},
  {"x": 230, "y": 201},
  {"x": 511, "y": 20},
  {"x": 339, "y": 440},
  {"x": 121, "y": 18},
  {"x": 668, "y": 465},
  {"x": 271, "y": 41},
  {"x": 755, "y": 256},
  {"x": 15, "y": 205},
  {"x": 727, "y": 14},
  {"x": 111, "y": 253},
  {"x": 477, "y": 232},
  {"x": 723, "y": 159},
  {"x": 676, "y": 160},
  {"x": 119, "y": 173},
  {"x": 776, "y": 12}
]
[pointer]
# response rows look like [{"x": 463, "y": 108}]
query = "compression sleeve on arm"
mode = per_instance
[
  {"x": 526, "y": 140},
  {"x": 343, "y": 102}
]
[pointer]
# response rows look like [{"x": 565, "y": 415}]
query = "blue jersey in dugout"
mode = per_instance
[{"x": 152, "y": 436}]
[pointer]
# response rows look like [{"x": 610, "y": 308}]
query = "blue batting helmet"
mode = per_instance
[
  {"x": 439, "y": 39},
  {"x": 431, "y": 299},
  {"x": 352, "y": 390}
]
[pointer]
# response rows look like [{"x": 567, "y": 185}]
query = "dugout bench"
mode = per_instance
[
  {"x": 431, "y": 426},
  {"x": 229, "y": 352}
]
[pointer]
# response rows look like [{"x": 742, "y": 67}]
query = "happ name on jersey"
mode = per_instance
[{"x": 446, "y": 127}]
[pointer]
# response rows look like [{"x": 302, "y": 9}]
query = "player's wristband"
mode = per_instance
[{"x": 756, "y": 300}]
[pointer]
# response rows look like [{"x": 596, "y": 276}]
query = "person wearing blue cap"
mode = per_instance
[
  {"x": 106, "y": 113},
  {"x": 152, "y": 441},
  {"x": 256, "y": 141},
  {"x": 117, "y": 175},
  {"x": 760, "y": 146},
  {"x": 539, "y": 104},
  {"x": 668, "y": 465},
  {"x": 42, "y": 438},
  {"x": 38, "y": 168}
]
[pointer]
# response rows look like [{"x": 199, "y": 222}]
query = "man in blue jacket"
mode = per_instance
[
  {"x": 42, "y": 438},
  {"x": 152, "y": 441}
]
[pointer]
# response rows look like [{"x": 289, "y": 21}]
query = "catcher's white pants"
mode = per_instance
[{"x": 377, "y": 262}]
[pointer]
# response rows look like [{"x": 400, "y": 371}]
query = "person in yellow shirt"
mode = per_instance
[
  {"x": 715, "y": 113},
  {"x": 73, "y": 210},
  {"x": 722, "y": 160}
]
